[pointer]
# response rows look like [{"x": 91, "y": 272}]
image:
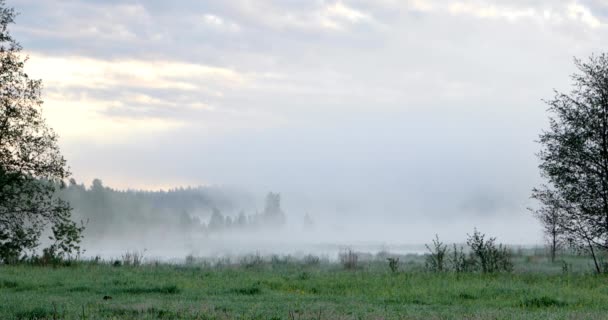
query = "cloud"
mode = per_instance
[{"x": 87, "y": 97}]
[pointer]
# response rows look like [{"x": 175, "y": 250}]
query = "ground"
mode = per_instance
[{"x": 281, "y": 289}]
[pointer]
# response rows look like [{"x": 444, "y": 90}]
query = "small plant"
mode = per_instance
[
  {"x": 393, "y": 264},
  {"x": 349, "y": 259},
  {"x": 435, "y": 261},
  {"x": 133, "y": 258}
]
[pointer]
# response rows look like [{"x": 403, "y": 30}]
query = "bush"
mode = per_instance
[
  {"x": 393, "y": 264},
  {"x": 133, "y": 258},
  {"x": 190, "y": 260},
  {"x": 487, "y": 257},
  {"x": 311, "y": 260},
  {"x": 458, "y": 260},
  {"x": 435, "y": 261},
  {"x": 349, "y": 259},
  {"x": 252, "y": 261}
]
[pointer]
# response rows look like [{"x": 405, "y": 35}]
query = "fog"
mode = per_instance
[{"x": 173, "y": 224}]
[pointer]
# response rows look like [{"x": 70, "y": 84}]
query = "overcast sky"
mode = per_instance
[{"x": 400, "y": 108}]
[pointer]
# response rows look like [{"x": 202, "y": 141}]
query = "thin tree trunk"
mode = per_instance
[
  {"x": 597, "y": 265},
  {"x": 553, "y": 248}
]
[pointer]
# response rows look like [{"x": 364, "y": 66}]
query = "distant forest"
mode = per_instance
[{"x": 108, "y": 212}]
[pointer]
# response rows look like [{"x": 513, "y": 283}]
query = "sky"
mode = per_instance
[{"x": 403, "y": 111}]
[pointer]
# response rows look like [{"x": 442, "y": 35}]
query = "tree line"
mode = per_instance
[{"x": 114, "y": 213}]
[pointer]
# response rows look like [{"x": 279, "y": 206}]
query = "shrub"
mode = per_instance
[
  {"x": 435, "y": 261},
  {"x": 486, "y": 256},
  {"x": 133, "y": 258},
  {"x": 393, "y": 264},
  {"x": 458, "y": 260},
  {"x": 189, "y": 260},
  {"x": 349, "y": 259},
  {"x": 311, "y": 260},
  {"x": 252, "y": 261}
]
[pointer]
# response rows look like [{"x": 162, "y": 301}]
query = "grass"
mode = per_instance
[{"x": 291, "y": 290}]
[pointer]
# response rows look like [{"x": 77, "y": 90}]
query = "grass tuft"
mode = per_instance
[
  {"x": 37, "y": 313},
  {"x": 252, "y": 290},
  {"x": 466, "y": 296},
  {"x": 543, "y": 302},
  {"x": 167, "y": 289},
  {"x": 8, "y": 284}
]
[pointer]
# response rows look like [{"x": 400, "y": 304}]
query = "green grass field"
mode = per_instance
[{"x": 290, "y": 290}]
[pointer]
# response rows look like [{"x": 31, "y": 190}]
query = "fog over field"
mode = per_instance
[{"x": 379, "y": 123}]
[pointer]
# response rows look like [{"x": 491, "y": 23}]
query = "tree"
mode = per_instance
[
  {"x": 272, "y": 210},
  {"x": 31, "y": 166},
  {"x": 550, "y": 216},
  {"x": 217, "y": 221},
  {"x": 574, "y": 157}
]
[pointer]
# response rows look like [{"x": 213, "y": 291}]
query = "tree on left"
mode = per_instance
[{"x": 32, "y": 168}]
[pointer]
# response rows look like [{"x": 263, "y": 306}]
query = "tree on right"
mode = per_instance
[{"x": 574, "y": 160}]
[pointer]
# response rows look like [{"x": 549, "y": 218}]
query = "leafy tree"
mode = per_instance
[
  {"x": 574, "y": 157},
  {"x": 31, "y": 166}
]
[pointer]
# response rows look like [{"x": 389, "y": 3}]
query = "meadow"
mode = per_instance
[{"x": 307, "y": 288}]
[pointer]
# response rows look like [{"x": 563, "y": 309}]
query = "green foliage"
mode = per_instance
[
  {"x": 393, "y": 264},
  {"x": 251, "y": 290},
  {"x": 573, "y": 158},
  {"x": 132, "y": 258},
  {"x": 32, "y": 169},
  {"x": 487, "y": 257},
  {"x": 166, "y": 289},
  {"x": 436, "y": 259},
  {"x": 66, "y": 236},
  {"x": 543, "y": 302},
  {"x": 458, "y": 260},
  {"x": 349, "y": 259},
  {"x": 311, "y": 260}
]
